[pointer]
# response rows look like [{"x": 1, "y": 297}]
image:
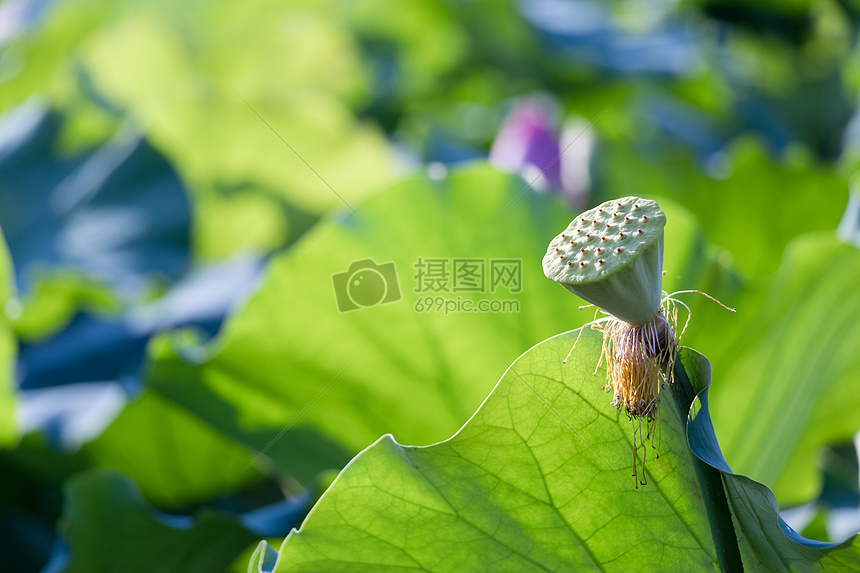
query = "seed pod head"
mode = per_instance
[{"x": 612, "y": 256}]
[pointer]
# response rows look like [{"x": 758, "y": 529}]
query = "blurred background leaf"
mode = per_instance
[
  {"x": 445, "y": 363},
  {"x": 109, "y": 527},
  {"x": 8, "y": 430},
  {"x": 786, "y": 382},
  {"x": 755, "y": 206}
]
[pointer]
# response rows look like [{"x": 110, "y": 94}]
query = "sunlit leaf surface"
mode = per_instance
[{"x": 539, "y": 480}]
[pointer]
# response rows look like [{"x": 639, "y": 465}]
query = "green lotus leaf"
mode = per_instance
[{"x": 539, "y": 480}]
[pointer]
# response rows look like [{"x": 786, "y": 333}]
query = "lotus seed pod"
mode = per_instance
[{"x": 612, "y": 256}]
